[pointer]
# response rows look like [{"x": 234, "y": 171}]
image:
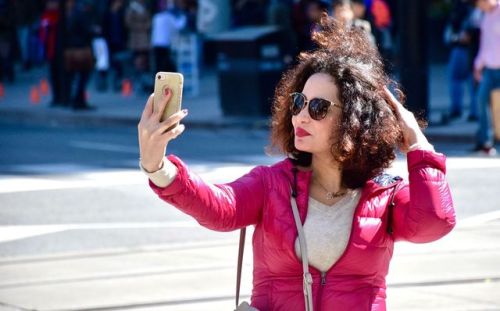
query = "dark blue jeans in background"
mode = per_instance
[
  {"x": 460, "y": 74},
  {"x": 490, "y": 80}
]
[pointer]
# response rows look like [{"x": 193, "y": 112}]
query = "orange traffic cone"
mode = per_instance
[
  {"x": 2, "y": 92},
  {"x": 126, "y": 87},
  {"x": 44, "y": 87},
  {"x": 34, "y": 96}
]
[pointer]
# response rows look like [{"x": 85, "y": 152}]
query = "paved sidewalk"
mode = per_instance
[
  {"x": 205, "y": 110},
  {"x": 455, "y": 273}
]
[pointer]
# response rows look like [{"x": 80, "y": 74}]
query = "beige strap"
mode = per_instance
[
  {"x": 308, "y": 280},
  {"x": 240, "y": 263},
  {"x": 307, "y": 277}
]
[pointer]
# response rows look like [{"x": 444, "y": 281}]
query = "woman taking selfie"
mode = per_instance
[{"x": 339, "y": 128}]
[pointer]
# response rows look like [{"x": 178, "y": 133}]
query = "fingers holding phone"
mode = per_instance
[
  {"x": 160, "y": 121},
  {"x": 171, "y": 127}
]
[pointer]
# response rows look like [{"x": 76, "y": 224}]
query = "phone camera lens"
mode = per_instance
[{"x": 159, "y": 77}]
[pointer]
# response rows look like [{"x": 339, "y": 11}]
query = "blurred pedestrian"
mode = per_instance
[
  {"x": 165, "y": 26},
  {"x": 300, "y": 24},
  {"x": 49, "y": 22},
  {"x": 26, "y": 13},
  {"x": 116, "y": 34},
  {"x": 378, "y": 14},
  {"x": 138, "y": 20},
  {"x": 474, "y": 31},
  {"x": 7, "y": 40},
  {"x": 279, "y": 14},
  {"x": 457, "y": 36},
  {"x": 102, "y": 62},
  {"x": 487, "y": 72},
  {"x": 344, "y": 13},
  {"x": 380, "y": 17},
  {"x": 78, "y": 56},
  {"x": 314, "y": 11},
  {"x": 339, "y": 127}
]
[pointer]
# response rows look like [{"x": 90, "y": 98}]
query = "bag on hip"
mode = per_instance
[{"x": 79, "y": 59}]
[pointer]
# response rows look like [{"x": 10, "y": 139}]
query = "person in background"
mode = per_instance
[
  {"x": 381, "y": 19},
  {"x": 474, "y": 31},
  {"x": 101, "y": 53},
  {"x": 300, "y": 23},
  {"x": 164, "y": 27},
  {"x": 138, "y": 20},
  {"x": 79, "y": 59},
  {"x": 116, "y": 36},
  {"x": 48, "y": 35},
  {"x": 487, "y": 72},
  {"x": 378, "y": 14},
  {"x": 343, "y": 11},
  {"x": 314, "y": 10},
  {"x": 458, "y": 38},
  {"x": 7, "y": 40},
  {"x": 279, "y": 14},
  {"x": 26, "y": 13}
]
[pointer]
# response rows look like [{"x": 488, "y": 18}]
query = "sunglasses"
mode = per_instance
[{"x": 318, "y": 107}]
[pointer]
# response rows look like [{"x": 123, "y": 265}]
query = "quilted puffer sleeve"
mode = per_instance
[
  {"x": 222, "y": 207},
  {"x": 423, "y": 210}
]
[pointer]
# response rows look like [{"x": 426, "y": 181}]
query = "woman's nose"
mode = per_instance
[{"x": 303, "y": 115}]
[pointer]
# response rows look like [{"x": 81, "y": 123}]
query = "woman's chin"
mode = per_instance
[{"x": 301, "y": 146}]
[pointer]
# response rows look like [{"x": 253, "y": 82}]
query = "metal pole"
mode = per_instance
[{"x": 414, "y": 69}]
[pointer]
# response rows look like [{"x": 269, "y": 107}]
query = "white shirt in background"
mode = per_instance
[{"x": 164, "y": 27}]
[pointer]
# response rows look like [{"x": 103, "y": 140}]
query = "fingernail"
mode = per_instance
[
  {"x": 167, "y": 91},
  {"x": 185, "y": 111}
]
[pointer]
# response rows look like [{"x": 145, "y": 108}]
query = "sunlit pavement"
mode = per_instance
[{"x": 106, "y": 265}]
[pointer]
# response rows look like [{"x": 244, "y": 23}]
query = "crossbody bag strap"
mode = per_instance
[
  {"x": 240, "y": 263},
  {"x": 307, "y": 277}
]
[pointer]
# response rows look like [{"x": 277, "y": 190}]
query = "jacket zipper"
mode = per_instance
[
  {"x": 323, "y": 274},
  {"x": 320, "y": 292}
]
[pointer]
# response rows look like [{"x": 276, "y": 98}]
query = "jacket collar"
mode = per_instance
[
  {"x": 380, "y": 182},
  {"x": 371, "y": 187}
]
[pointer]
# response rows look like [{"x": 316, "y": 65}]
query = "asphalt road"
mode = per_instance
[{"x": 72, "y": 194}]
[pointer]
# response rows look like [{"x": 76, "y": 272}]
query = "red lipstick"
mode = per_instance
[{"x": 300, "y": 132}]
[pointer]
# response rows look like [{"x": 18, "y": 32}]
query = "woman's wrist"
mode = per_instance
[
  {"x": 421, "y": 146},
  {"x": 417, "y": 138},
  {"x": 163, "y": 176},
  {"x": 151, "y": 168},
  {"x": 418, "y": 141}
]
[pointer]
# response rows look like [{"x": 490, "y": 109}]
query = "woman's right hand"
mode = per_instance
[{"x": 153, "y": 134}]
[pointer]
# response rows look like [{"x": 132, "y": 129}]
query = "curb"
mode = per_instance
[
  {"x": 81, "y": 119},
  {"x": 59, "y": 118}
]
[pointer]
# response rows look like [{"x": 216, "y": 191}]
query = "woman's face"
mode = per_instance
[{"x": 315, "y": 136}]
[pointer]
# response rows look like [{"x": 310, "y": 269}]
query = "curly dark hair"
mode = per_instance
[{"x": 368, "y": 131}]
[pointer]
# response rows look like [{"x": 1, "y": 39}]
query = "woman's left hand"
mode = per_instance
[{"x": 412, "y": 134}]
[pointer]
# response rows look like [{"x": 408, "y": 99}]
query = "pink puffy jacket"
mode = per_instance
[{"x": 357, "y": 280}]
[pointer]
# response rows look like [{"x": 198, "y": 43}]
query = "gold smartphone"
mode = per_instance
[{"x": 173, "y": 81}]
